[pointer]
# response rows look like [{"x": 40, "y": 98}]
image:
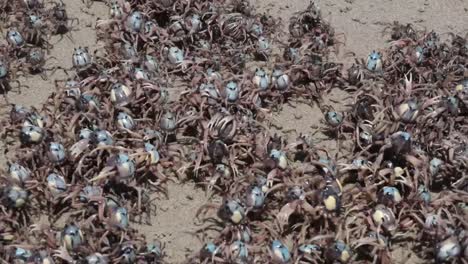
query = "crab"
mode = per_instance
[{"x": 61, "y": 24}]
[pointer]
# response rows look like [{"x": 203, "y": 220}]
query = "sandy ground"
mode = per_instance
[{"x": 360, "y": 21}]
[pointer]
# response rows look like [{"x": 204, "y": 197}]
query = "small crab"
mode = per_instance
[
  {"x": 61, "y": 23},
  {"x": 5, "y": 79},
  {"x": 35, "y": 62}
]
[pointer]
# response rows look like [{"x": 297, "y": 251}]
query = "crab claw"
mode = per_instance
[
  {"x": 286, "y": 211},
  {"x": 408, "y": 84},
  {"x": 62, "y": 253},
  {"x": 106, "y": 172}
]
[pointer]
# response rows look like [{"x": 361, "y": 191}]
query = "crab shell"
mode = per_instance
[
  {"x": 56, "y": 152},
  {"x": 15, "y": 38},
  {"x": 135, "y": 22},
  {"x": 78, "y": 148},
  {"x": 330, "y": 199},
  {"x": 338, "y": 251},
  {"x": 280, "y": 80},
  {"x": 280, "y": 158},
  {"x": 34, "y": 119},
  {"x": 71, "y": 237},
  {"x": 130, "y": 53},
  {"x": 120, "y": 94},
  {"x": 150, "y": 27},
  {"x": 115, "y": 10},
  {"x": 35, "y": 21},
  {"x": 120, "y": 217},
  {"x": 168, "y": 122},
  {"x": 238, "y": 251},
  {"x": 18, "y": 173},
  {"x": 31, "y": 134},
  {"x": 128, "y": 254},
  {"x": 140, "y": 74},
  {"x": 261, "y": 79},
  {"x": 81, "y": 57},
  {"x": 56, "y": 184},
  {"x": 448, "y": 249},
  {"x": 3, "y": 69},
  {"x": 384, "y": 217},
  {"x": 175, "y": 55},
  {"x": 151, "y": 63},
  {"x": 232, "y": 91},
  {"x": 125, "y": 121},
  {"x": 255, "y": 197},
  {"x": 125, "y": 166},
  {"x": 16, "y": 195},
  {"x": 390, "y": 195},
  {"x": 153, "y": 154},
  {"x": 233, "y": 211},
  {"x": 408, "y": 111},
  {"x": 374, "y": 62},
  {"x": 333, "y": 118},
  {"x": 193, "y": 24},
  {"x": 280, "y": 252},
  {"x": 97, "y": 258}
]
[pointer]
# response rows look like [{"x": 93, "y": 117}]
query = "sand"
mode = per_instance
[{"x": 360, "y": 22}]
